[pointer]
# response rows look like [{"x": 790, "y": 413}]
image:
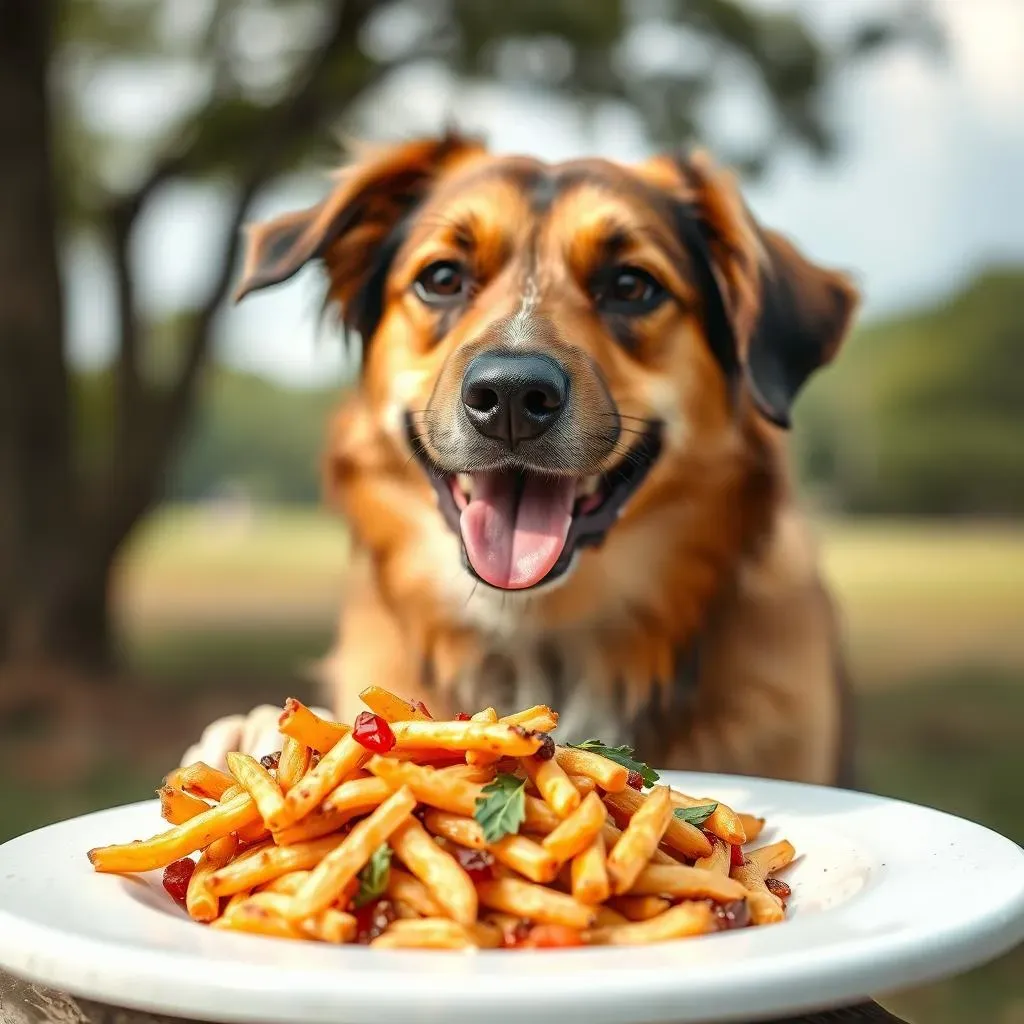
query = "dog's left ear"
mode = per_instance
[
  {"x": 355, "y": 229},
  {"x": 783, "y": 315}
]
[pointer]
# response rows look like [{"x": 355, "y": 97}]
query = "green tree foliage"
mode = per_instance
[{"x": 924, "y": 414}]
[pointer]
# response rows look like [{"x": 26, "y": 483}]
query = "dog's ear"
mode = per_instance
[
  {"x": 353, "y": 230},
  {"x": 773, "y": 316}
]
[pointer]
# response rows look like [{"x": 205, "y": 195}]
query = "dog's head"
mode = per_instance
[{"x": 551, "y": 346}]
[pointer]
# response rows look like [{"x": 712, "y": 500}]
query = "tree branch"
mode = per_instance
[{"x": 150, "y": 435}]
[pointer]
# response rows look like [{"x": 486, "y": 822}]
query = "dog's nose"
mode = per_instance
[{"x": 513, "y": 398}]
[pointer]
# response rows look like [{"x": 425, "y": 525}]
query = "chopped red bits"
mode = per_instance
[
  {"x": 177, "y": 877},
  {"x": 516, "y": 935},
  {"x": 372, "y": 732},
  {"x": 476, "y": 863},
  {"x": 551, "y": 936},
  {"x": 635, "y": 780},
  {"x": 732, "y": 915},
  {"x": 736, "y": 858},
  {"x": 462, "y": 717},
  {"x": 372, "y": 919},
  {"x": 271, "y": 761},
  {"x": 422, "y": 708},
  {"x": 777, "y": 887},
  {"x": 546, "y": 750}
]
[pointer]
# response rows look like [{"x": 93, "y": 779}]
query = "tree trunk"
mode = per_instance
[{"x": 52, "y": 588}]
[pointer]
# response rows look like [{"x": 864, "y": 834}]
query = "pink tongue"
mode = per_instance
[{"x": 513, "y": 544}]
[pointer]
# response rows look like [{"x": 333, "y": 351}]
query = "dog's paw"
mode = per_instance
[{"x": 255, "y": 733}]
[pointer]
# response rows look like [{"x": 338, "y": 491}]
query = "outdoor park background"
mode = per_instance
[{"x": 162, "y": 556}]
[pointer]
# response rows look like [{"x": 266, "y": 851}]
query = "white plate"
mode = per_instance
[{"x": 886, "y": 895}]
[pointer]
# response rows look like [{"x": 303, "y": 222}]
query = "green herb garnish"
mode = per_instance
[
  {"x": 696, "y": 815},
  {"x": 620, "y": 755},
  {"x": 373, "y": 879},
  {"x": 502, "y": 807}
]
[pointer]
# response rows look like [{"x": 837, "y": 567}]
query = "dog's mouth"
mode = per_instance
[{"x": 521, "y": 527}]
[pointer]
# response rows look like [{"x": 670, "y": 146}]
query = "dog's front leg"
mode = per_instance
[{"x": 255, "y": 733}]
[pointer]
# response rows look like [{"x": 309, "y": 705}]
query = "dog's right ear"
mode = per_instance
[{"x": 348, "y": 229}]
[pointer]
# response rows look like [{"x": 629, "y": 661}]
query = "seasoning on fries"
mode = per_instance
[{"x": 408, "y": 832}]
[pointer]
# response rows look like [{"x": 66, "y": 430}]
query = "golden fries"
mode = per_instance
[
  {"x": 301, "y": 724},
  {"x": 639, "y": 840},
  {"x": 454, "y": 836}
]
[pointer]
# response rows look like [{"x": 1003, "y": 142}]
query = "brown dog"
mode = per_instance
[{"x": 564, "y": 468}]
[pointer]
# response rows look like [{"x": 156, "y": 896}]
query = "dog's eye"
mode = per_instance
[
  {"x": 627, "y": 291},
  {"x": 441, "y": 283}
]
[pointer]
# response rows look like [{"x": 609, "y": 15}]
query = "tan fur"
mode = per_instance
[{"x": 699, "y": 630}]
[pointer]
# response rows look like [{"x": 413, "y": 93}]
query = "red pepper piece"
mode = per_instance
[{"x": 372, "y": 732}]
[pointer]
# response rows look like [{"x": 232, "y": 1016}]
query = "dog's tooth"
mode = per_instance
[{"x": 465, "y": 481}]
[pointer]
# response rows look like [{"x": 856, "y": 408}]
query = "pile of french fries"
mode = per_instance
[{"x": 457, "y": 837}]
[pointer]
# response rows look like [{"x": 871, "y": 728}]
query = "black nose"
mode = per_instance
[{"x": 511, "y": 397}]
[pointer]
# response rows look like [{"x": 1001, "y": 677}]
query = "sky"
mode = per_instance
[{"x": 928, "y": 188}]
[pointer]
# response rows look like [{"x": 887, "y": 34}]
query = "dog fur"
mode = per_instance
[{"x": 699, "y": 631}]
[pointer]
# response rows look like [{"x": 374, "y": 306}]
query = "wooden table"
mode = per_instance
[{"x": 21, "y": 1002}]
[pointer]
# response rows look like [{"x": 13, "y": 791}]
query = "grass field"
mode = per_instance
[{"x": 231, "y": 608}]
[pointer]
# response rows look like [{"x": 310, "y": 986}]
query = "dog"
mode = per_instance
[{"x": 564, "y": 467}]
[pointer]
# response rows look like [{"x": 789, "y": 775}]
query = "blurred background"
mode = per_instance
[{"x": 163, "y": 557}]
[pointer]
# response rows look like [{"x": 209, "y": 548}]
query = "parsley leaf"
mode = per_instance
[
  {"x": 502, "y": 807},
  {"x": 696, "y": 815},
  {"x": 373, "y": 879},
  {"x": 620, "y": 755}
]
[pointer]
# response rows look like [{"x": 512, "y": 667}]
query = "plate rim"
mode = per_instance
[{"x": 891, "y": 964}]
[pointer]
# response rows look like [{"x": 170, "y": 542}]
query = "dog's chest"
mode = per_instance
[{"x": 614, "y": 698}]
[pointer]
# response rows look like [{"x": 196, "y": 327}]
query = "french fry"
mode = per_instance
[
  {"x": 200, "y": 901},
  {"x": 391, "y": 707},
  {"x": 588, "y": 875},
  {"x": 425, "y": 933},
  {"x": 539, "y": 718},
  {"x": 234, "y": 902},
  {"x": 288, "y": 884},
  {"x": 608, "y": 918},
  {"x": 752, "y": 826},
  {"x": 765, "y": 906},
  {"x": 195, "y": 834},
  {"x": 177, "y": 806},
  {"x": 329, "y": 925},
  {"x": 686, "y": 882},
  {"x": 487, "y": 715},
  {"x": 723, "y": 821},
  {"x": 254, "y": 832},
  {"x": 437, "y": 869},
  {"x": 718, "y": 861},
  {"x": 535, "y": 903},
  {"x": 639, "y": 839},
  {"x": 293, "y": 763},
  {"x": 471, "y": 772},
  {"x": 314, "y": 825},
  {"x": 769, "y": 859},
  {"x": 499, "y": 738},
  {"x": 577, "y": 831},
  {"x": 339, "y": 867},
  {"x": 518, "y": 852},
  {"x": 259, "y": 784},
  {"x": 680, "y": 835},
  {"x": 611, "y": 834},
  {"x": 309, "y": 728},
  {"x": 357, "y": 795},
  {"x": 540, "y": 818},
  {"x": 584, "y": 784},
  {"x": 640, "y": 908},
  {"x": 609, "y": 775},
  {"x": 408, "y": 889},
  {"x": 256, "y": 920},
  {"x": 231, "y": 792},
  {"x": 680, "y": 922},
  {"x": 487, "y": 935},
  {"x": 553, "y": 784},
  {"x": 200, "y": 779},
  {"x": 430, "y": 786},
  {"x": 270, "y": 862},
  {"x": 344, "y": 757}
]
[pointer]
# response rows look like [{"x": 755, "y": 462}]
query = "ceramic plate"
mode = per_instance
[{"x": 885, "y": 895}]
